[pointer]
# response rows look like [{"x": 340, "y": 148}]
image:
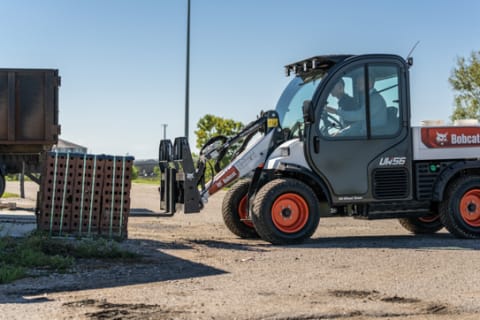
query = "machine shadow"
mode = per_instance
[
  {"x": 153, "y": 266},
  {"x": 241, "y": 245},
  {"x": 418, "y": 242}
]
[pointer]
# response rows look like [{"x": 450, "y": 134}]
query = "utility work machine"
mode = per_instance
[{"x": 339, "y": 143}]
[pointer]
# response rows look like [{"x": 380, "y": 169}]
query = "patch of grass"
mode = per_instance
[
  {"x": 10, "y": 195},
  {"x": 38, "y": 251},
  {"x": 101, "y": 249},
  {"x": 10, "y": 274},
  {"x": 153, "y": 180},
  {"x": 16, "y": 177}
]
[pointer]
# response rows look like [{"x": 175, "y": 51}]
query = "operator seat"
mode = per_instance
[
  {"x": 392, "y": 119},
  {"x": 391, "y": 125}
]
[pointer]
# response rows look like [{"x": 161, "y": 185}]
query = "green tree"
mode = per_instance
[
  {"x": 156, "y": 171},
  {"x": 210, "y": 126},
  {"x": 465, "y": 80},
  {"x": 134, "y": 172}
]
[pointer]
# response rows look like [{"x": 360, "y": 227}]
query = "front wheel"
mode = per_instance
[
  {"x": 285, "y": 211},
  {"x": 460, "y": 209},
  {"x": 235, "y": 211},
  {"x": 422, "y": 225}
]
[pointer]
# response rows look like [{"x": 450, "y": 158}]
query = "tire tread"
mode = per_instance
[
  {"x": 419, "y": 227},
  {"x": 229, "y": 210},
  {"x": 449, "y": 219}
]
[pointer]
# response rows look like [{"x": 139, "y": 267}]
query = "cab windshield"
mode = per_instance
[{"x": 289, "y": 106}]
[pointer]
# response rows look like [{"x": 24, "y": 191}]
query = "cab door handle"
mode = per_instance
[{"x": 316, "y": 144}]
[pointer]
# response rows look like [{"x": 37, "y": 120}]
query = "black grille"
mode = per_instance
[
  {"x": 425, "y": 178},
  {"x": 390, "y": 183}
]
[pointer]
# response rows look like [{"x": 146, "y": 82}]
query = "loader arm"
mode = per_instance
[{"x": 182, "y": 182}]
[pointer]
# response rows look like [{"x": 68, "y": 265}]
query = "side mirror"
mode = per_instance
[
  {"x": 410, "y": 61},
  {"x": 308, "y": 115}
]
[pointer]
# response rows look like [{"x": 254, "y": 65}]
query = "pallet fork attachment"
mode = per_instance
[
  {"x": 182, "y": 184},
  {"x": 179, "y": 179}
]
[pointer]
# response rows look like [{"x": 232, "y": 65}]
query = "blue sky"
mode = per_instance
[{"x": 123, "y": 62}]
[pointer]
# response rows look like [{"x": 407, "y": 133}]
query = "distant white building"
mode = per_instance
[{"x": 67, "y": 146}]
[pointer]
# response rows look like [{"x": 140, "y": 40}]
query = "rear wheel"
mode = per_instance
[
  {"x": 235, "y": 210},
  {"x": 2, "y": 185},
  {"x": 422, "y": 225},
  {"x": 285, "y": 211},
  {"x": 460, "y": 210}
]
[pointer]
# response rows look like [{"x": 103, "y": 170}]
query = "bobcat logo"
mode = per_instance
[{"x": 442, "y": 138}]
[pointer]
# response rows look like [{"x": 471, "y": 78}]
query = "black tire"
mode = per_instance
[
  {"x": 285, "y": 211},
  {"x": 2, "y": 185},
  {"x": 422, "y": 225},
  {"x": 460, "y": 209},
  {"x": 234, "y": 208}
]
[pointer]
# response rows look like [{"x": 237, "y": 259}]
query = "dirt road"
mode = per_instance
[{"x": 193, "y": 268}]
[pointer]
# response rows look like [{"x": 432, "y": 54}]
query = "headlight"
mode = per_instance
[{"x": 285, "y": 151}]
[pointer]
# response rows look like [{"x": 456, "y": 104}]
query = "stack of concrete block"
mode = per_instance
[
  {"x": 116, "y": 195},
  {"x": 85, "y": 195},
  {"x": 56, "y": 192}
]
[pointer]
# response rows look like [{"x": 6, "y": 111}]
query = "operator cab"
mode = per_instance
[
  {"x": 310, "y": 73},
  {"x": 356, "y": 119}
]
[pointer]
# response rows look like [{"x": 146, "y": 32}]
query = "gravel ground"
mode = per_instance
[{"x": 194, "y": 268}]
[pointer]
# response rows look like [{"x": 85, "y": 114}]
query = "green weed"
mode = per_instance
[
  {"x": 10, "y": 273},
  {"x": 38, "y": 251}
]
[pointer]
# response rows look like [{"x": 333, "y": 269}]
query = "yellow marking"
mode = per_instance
[{"x": 272, "y": 122}]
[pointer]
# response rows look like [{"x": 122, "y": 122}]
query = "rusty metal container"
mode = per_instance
[{"x": 28, "y": 117}]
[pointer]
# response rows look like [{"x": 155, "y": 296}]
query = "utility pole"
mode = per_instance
[
  {"x": 22, "y": 181},
  {"x": 187, "y": 84},
  {"x": 164, "y": 125}
]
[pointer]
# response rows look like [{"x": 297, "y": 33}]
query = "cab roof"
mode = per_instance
[{"x": 314, "y": 64}]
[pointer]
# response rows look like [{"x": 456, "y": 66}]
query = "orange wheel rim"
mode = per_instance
[
  {"x": 470, "y": 207},
  {"x": 290, "y": 213},
  {"x": 428, "y": 219},
  {"x": 243, "y": 212}
]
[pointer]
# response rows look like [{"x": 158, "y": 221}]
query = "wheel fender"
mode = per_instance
[
  {"x": 306, "y": 176},
  {"x": 449, "y": 173}
]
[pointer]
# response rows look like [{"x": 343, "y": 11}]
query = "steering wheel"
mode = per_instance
[
  {"x": 330, "y": 122},
  {"x": 334, "y": 122},
  {"x": 296, "y": 128}
]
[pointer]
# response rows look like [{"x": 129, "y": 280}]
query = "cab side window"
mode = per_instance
[
  {"x": 384, "y": 100},
  {"x": 369, "y": 92}
]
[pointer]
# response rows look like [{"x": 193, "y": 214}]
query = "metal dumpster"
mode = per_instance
[{"x": 28, "y": 118}]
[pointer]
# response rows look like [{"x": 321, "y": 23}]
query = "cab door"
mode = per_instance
[{"x": 346, "y": 145}]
